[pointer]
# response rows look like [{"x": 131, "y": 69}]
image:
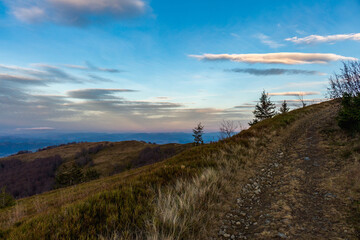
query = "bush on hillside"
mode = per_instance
[
  {"x": 6, "y": 199},
  {"x": 68, "y": 176},
  {"x": 349, "y": 115}
]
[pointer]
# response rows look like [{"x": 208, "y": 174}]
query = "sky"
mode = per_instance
[{"x": 164, "y": 66}]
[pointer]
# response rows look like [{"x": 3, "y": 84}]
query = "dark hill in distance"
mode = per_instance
[
  {"x": 33, "y": 173},
  {"x": 32, "y": 142}
]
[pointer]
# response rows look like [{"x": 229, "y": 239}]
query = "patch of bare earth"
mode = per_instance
[{"x": 289, "y": 197}]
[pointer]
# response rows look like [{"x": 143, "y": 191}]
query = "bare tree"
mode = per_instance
[
  {"x": 346, "y": 82},
  {"x": 228, "y": 128},
  {"x": 301, "y": 99}
]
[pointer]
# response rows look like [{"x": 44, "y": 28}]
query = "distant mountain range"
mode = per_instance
[{"x": 28, "y": 142}]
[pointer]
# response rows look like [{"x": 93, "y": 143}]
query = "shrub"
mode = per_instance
[
  {"x": 349, "y": 115},
  {"x": 91, "y": 174},
  {"x": 6, "y": 199},
  {"x": 73, "y": 175}
]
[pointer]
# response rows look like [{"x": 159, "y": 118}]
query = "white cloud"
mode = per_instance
[
  {"x": 74, "y": 12},
  {"x": 294, "y": 93},
  {"x": 290, "y": 58},
  {"x": 313, "y": 39},
  {"x": 267, "y": 41}
]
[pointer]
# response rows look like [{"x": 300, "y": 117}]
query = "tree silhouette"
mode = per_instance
[
  {"x": 198, "y": 132},
  {"x": 264, "y": 109},
  {"x": 284, "y": 107}
]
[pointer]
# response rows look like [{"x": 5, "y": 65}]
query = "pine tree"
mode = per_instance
[
  {"x": 198, "y": 132},
  {"x": 6, "y": 199},
  {"x": 284, "y": 107},
  {"x": 264, "y": 109}
]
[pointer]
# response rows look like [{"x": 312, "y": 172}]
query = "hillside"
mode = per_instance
[
  {"x": 33, "y": 173},
  {"x": 293, "y": 176}
]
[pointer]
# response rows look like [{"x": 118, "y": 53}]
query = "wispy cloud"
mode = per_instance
[
  {"x": 19, "y": 79},
  {"x": 314, "y": 39},
  {"x": 97, "y": 93},
  {"x": 90, "y": 67},
  {"x": 74, "y": 12},
  {"x": 274, "y": 71},
  {"x": 267, "y": 41},
  {"x": 44, "y": 74},
  {"x": 103, "y": 110},
  {"x": 295, "y": 94},
  {"x": 289, "y": 58},
  {"x": 245, "y": 106}
]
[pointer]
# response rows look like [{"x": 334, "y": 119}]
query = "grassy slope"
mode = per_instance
[{"x": 125, "y": 204}]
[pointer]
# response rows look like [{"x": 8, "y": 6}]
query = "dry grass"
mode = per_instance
[{"x": 187, "y": 209}]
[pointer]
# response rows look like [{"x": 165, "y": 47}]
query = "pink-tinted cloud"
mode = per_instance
[
  {"x": 289, "y": 58},
  {"x": 294, "y": 93}
]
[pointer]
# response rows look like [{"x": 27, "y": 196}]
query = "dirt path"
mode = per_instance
[{"x": 287, "y": 199}]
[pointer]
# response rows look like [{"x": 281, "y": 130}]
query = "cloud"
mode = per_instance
[
  {"x": 74, "y": 12},
  {"x": 55, "y": 74},
  {"x": 314, "y": 39},
  {"x": 18, "y": 79},
  {"x": 35, "y": 128},
  {"x": 29, "y": 15},
  {"x": 91, "y": 67},
  {"x": 43, "y": 74},
  {"x": 267, "y": 41},
  {"x": 275, "y": 58},
  {"x": 163, "y": 98},
  {"x": 294, "y": 94},
  {"x": 274, "y": 71},
  {"x": 99, "y": 79},
  {"x": 103, "y": 110},
  {"x": 96, "y": 93},
  {"x": 244, "y": 106}
]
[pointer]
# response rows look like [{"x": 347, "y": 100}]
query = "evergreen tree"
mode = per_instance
[
  {"x": 198, "y": 132},
  {"x": 349, "y": 114},
  {"x": 264, "y": 109},
  {"x": 6, "y": 199},
  {"x": 284, "y": 107}
]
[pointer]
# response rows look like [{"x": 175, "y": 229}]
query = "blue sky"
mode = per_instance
[{"x": 160, "y": 66}]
